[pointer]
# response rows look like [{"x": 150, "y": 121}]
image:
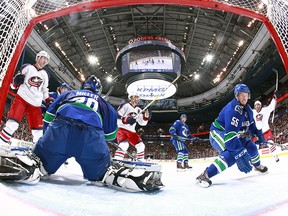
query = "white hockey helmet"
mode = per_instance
[
  {"x": 130, "y": 94},
  {"x": 43, "y": 54},
  {"x": 257, "y": 102}
]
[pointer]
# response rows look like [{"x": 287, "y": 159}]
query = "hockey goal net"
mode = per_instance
[{"x": 18, "y": 17}]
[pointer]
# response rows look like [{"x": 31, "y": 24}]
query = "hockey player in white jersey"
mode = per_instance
[
  {"x": 128, "y": 115},
  {"x": 261, "y": 116},
  {"x": 32, "y": 85}
]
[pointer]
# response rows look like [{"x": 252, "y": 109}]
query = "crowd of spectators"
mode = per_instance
[{"x": 156, "y": 135}]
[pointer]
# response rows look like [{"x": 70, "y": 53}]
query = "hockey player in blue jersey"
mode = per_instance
[
  {"x": 180, "y": 132},
  {"x": 53, "y": 95},
  {"x": 78, "y": 124},
  {"x": 61, "y": 89},
  {"x": 227, "y": 135}
]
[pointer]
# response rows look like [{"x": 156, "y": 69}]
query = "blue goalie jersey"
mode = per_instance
[{"x": 87, "y": 107}]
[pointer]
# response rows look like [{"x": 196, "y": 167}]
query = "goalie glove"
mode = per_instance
[
  {"x": 49, "y": 101},
  {"x": 132, "y": 176}
]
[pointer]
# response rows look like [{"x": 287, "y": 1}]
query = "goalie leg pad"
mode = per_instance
[
  {"x": 133, "y": 176},
  {"x": 20, "y": 167},
  {"x": 9, "y": 172}
]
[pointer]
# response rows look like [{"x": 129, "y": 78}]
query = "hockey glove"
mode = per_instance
[
  {"x": 128, "y": 120},
  {"x": 242, "y": 159},
  {"x": 49, "y": 101},
  {"x": 19, "y": 79},
  {"x": 277, "y": 94}
]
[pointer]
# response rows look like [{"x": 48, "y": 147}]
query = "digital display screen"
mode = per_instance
[{"x": 150, "y": 61}]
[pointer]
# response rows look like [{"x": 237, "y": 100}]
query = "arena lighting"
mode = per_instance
[
  {"x": 109, "y": 79},
  {"x": 209, "y": 57},
  {"x": 241, "y": 43},
  {"x": 148, "y": 89},
  {"x": 92, "y": 59}
]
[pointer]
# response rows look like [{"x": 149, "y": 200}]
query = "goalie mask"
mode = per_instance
[{"x": 93, "y": 84}]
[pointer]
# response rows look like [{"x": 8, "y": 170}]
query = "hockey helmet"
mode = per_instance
[
  {"x": 43, "y": 54},
  {"x": 257, "y": 103},
  {"x": 130, "y": 94},
  {"x": 241, "y": 88},
  {"x": 183, "y": 116},
  {"x": 65, "y": 85},
  {"x": 93, "y": 84}
]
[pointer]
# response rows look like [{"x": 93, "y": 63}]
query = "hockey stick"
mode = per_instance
[
  {"x": 276, "y": 144},
  {"x": 118, "y": 147},
  {"x": 159, "y": 95},
  {"x": 196, "y": 139},
  {"x": 108, "y": 93},
  {"x": 276, "y": 88}
]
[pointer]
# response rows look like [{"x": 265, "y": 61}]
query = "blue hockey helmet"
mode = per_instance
[
  {"x": 183, "y": 116},
  {"x": 93, "y": 84},
  {"x": 241, "y": 88},
  {"x": 65, "y": 85}
]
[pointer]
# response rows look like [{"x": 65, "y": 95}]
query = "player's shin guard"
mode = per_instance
[
  {"x": 36, "y": 133},
  {"x": 220, "y": 163},
  {"x": 7, "y": 132},
  {"x": 140, "y": 147},
  {"x": 255, "y": 160},
  {"x": 121, "y": 151},
  {"x": 133, "y": 176}
]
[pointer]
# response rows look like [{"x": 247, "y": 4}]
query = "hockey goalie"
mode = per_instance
[{"x": 18, "y": 165}]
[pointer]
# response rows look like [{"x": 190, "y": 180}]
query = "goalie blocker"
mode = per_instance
[{"x": 25, "y": 167}]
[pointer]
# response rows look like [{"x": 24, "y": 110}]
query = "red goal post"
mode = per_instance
[{"x": 18, "y": 18}]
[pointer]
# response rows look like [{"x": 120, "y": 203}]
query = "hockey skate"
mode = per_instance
[
  {"x": 179, "y": 166},
  {"x": 203, "y": 180},
  {"x": 261, "y": 168},
  {"x": 186, "y": 166},
  {"x": 276, "y": 157}
]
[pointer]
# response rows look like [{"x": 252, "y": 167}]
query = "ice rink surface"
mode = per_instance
[{"x": 232, "y": 193}]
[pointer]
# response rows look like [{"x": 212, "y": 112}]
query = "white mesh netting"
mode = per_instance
[{"x": 16, "y": 14}]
